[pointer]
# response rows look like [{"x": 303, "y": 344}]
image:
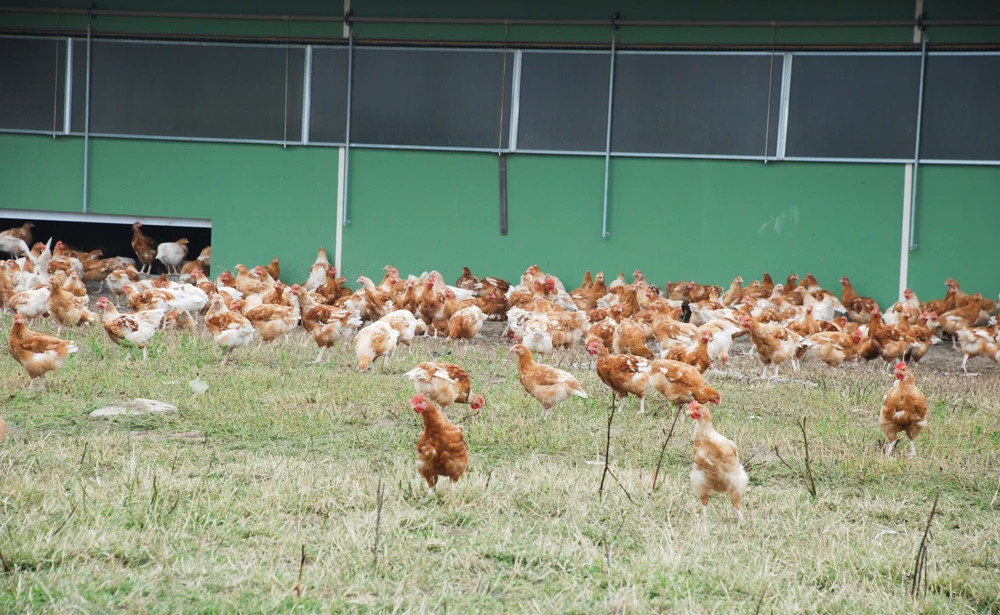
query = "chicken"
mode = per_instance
[
  {"x": 717, "y": 467},
  {"x": 910, "y": 303},
  {"x": 405, "y": 323},
  {"x": 172, "y": 254},
  {"x": 588, "y": 281},
  {"x": 977, "y": 341},
  {"x": 467, "y": 281},
  {"x": 67, "y": 309},
  {"x": 904, "y": 409},
  {"x": 602, "y": 331},
  {"x": 548, "y": 385},
  {"x": 466, "y": 323},
  {"x": 136, "y": 329},
  {"x": 327, "y": 324},
  {"x": 249, "y": 283},
  {"x": 273, "y": 321},
  {"x": 962, "y": 317},
  {"x": 231, "y": 329},
  {"x": 630, "y": 338},
  {"x": 681, "y": 383},
  {"x": 151, "y": 299},
  {"x": 117, "y": 280},
  {"x": 923, "y": 334},
  {"x": 38, "y": 354},
  {"x": 376, "y": 340},
  {"x": 722, "y": 331},
  {"x": 273, "y": 268},
  {"x": 441, "y": 449},
  {"x": 859, "y": 308},
  {"x": 493, "y": 304},
  {"x": 695, "y": 356},
  {"x": 833, "y": 347},
  {"x": 31, "y": 303},
  {"x": 445, "y": 384},
  {"x": 178, "y": 320},
  {"x": 22, "y": 233},
  {"x": 735, "y": 293},
  {"x": 333, "y": 287},
  {"x": 587, "y": 296},
  {"x": 774, "y": 344},
  {"x": 318, "y": 271},
  {"x": 144, "y": 247},
  {"x": 625, "y": 374},
  {"x": 891, "y": 342}
]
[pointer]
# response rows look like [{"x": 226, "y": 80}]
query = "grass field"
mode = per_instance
[{"x": 208, "y": 509}]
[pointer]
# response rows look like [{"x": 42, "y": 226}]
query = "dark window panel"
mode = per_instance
[
  {"x": 564, "y": 101},
  {"x": 961, "y": 108},
  {"x": 715, "y": 104},
  {"x": 190, "y": 90},
  {"x": 328, "y": 111},
  {"x": 32, "y": 83},
  {"x": 442, "y": 98},
  {"x": 853, "y": 106}
]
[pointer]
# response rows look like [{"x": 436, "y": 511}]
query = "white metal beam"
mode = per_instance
[{"x": 59, "y": 216}]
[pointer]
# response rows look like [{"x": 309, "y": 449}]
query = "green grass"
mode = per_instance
[{"x": 206, "y": 510}]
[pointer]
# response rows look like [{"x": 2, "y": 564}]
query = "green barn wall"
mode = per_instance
[
  {"x": 957, "y": 231},
  {"x": 41, "y": 173},
  {"x": 674, "y": 219},
  {"x": 264, "y": 201}
]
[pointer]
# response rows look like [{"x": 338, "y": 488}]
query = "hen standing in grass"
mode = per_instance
[
  {"x": 441, "y": 447},
  {"x": 548, "y": 385},
  {"x": 904, "y": 409},
  {"x": 717, "y": 467},
  {"x": 445, "y": 384},
  {"x": 38, "y": 354}
]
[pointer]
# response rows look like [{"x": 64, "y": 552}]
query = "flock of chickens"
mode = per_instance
[{"x": 643, "y": 337}]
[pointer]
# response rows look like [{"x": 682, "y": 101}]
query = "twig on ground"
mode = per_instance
[
  {"x": 664, "y": 449},
  {"x": 6, "y": 566},
  {"x": 468, "y": 416},
  {"x": 920, "y": 565},
  {"x": 811, "y": 482},
  {"x": 995, "y": 493},
  {"x": 302, "y": 567},
  {"x": 64, "y": 521},
  {"x": 84, "y": 455},
  {"x": 621, "y": 485},
  {"x": 760, "y": 603},
  {"x": 807, "y": 474},
  {"x": 607, "y": 448},
  {"x": 379, "y": 497}
]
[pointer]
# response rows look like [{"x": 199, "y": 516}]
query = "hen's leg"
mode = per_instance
[
  {"x": 890, "y": 446},
  {"x": 734, "y": 497},
  {"x": 144, "y": 356},
  {"x": 913, "y": 450},
  {"x": 965, "y": 359},
  {"x": 319, "y": 358},
  {"x": 642, "y": 404}
]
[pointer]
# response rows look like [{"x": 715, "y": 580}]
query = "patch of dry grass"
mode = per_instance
[{"x": 207, "y": 510}]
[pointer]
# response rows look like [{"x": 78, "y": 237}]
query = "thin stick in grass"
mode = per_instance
[
  {"x": 607, "y": 448},
  {"x": 807, "y": 474},
  {"x": 664, "y": 449},
  {"x": 920, "y": 564},
  {"x": 302, "y": 567},
  {"x": 379, "y": 497},
  {"x": 811, "y": 482}
]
